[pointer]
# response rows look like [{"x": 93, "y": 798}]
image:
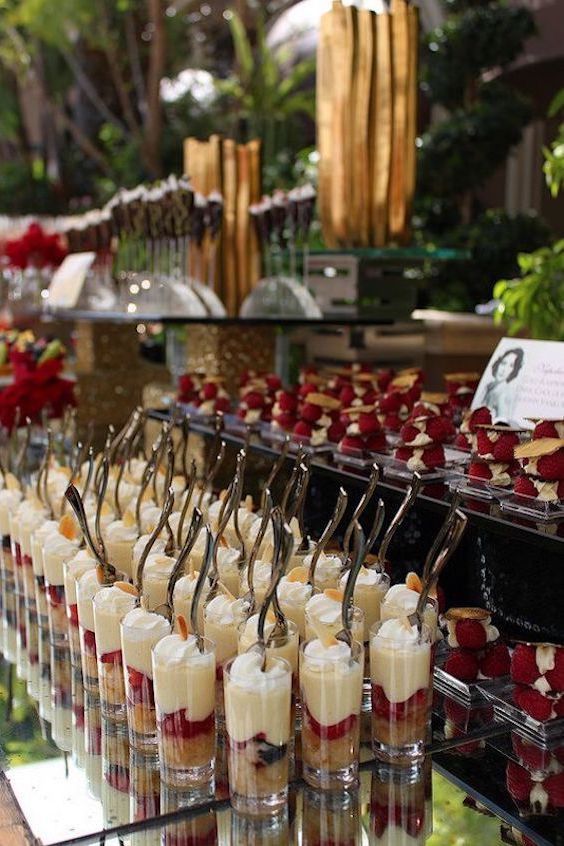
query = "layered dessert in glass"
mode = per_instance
[
  {"x": 331, "y": 817},
  {"x": 259, "y": 730},
  {"x": 10, "y": 497},
  {"x": 331, "y": 675},
  {"x": 398, "y": 813},
  {"x": 38, "y": 538},
  {"x": 119, "y": 539},
  {"x": 324, "y": 612},
  {"x": 222, "y": 617},
  {"x": 87, "y": 587},
  {"x": 111, "y": 604},
  {"x": 401, "y": 675},
  {"x": 156, "y": 576},
  {"x": 327, "y": 570},
  {"x": 73, "y": 570},
  {"x": 402, "y": 599},
  {"x": 184, "y": 680},
  {"x": 293, "y": 593},
  {"x": 58, "y": 548},
  {"x": 93, "y": 744},
  {"x": 280, "y": 646},
  {"x": 141, "y": 630}
]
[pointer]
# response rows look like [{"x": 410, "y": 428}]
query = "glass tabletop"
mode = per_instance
[{"x": 73, "y": 778}]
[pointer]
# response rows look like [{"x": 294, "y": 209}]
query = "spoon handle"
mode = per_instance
[
  {"x": 276, "y": 467},
  {"x": 206, "y": 563},
  {"x": 358, "y": 560},
  {"x": 361, "y": 506},
  {"x": 75, "y": 501},
  {"x": 328, "y": 532},
  {"x": 377, "y": 525},
  {"x": 437, "y": 543},
  {"x": 409, "y": 499},
  {"x": 188, "y": 494},
  {"x": 178, "y": 569},
  {"x": 167, "y": 508},
  {"x": 277, "y": 571},
  {"x": 450, "y": 542},
  {"x": 265, "y": 520}
]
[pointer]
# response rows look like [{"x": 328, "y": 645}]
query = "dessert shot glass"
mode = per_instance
[
  {"x": 401, "y": 676},
  {"x": 111, "y": 604},
  {"x": 331, "y": 675},
  {"x": 73, "y": 570},
  {"x": 200, "y": 827},
  {"x": 184, "y": 679},
  {"x": 57, "y": 549},
  {"x": 144, "y": 793},
  {"x": 140, "y": 631},
  {"x": 258, "y": 723},
  {"x": 280, "y": 646},
  {"x": 86, "y": 589},
  {"x": 323, "y": 611}
]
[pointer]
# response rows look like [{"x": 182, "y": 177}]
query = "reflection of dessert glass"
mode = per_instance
[
  {"x": 184, "y": 686},
  {"x": 86, "y": 589},
  {"x": 44, "y": 675},
  {"x": 37, "y": 541},
  {"x": 397, "y": 807},
  {"x": 140, "y": 631},
  {"x": 257, "y": 716},
  {"x": 74, "y": 569},
  {"x": 370, "y": 589},
  {"x": 111, "y": 604},
  {"x": 293, "y": 594},
  {"x": 115, "y": 774},
  {"x": 145, "y": 795},
  {"x": 78, "y": 725},
  {"x": 331, "y": 817},
  {"x": 331, "y": 676},
  {"x": 93, "y": 744},
  {"x": 22, "y": 664},
  {"x": 400, "y": 668},
  {"x": 199, "y": 829},
  {"x": 324, "y": 611},
  {"x": 272, "y": 829},
  {"x": 32, "y": 642}
]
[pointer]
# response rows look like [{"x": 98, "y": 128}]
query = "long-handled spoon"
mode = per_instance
[
  {"x": 361, "y": 507},
  {"x": 249, "y": 598},
  {"x": 206, "y": 563},
  {"x": 407, "y": 502},
  {"x": 437, "y": 543},
  {"x": 167, "y": 508},
  {"x": 178, "y": 570},
  {"x": 346, "y": 612},
  {"x": 327, "y": 534}
]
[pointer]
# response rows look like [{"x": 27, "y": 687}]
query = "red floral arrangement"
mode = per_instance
[
  {"x": 35, "y": 248},
  {"x": 37, "y": 386}
]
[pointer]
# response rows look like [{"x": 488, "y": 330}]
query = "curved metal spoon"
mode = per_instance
[
  {"x": 249, "y": 597},
  {"x": 169, "y": 548},
  {"x": 214, "y": 467},
  {"x": 437, "y": 543},
  {"x": 105, "y": 475},
  {"x": 75, "y": 472},
  {"x": 275, "y": 470},
  {"x": 358, "y": 559},
  {"x": 241, "y": 466},
  {"x": 448, "y": 547},
  {"x": 327, "y": 534},
  {"x": 145, "y": 482},
  {"x": 75, "y": 501},
  {"x": 377, "y": 525},
  {"x": 167, "y": 508},
  {"x": 277, "y": 572},
  {"x": 188, "y": 494},
  {"x": 361, "y": 507},
  {"x": 178, "y": 569},
  {"x": 90, "y": 472},
  {"x": 287, "y": 547},
  {"x": 48, "y": 453},
  {"x": 208, "y": 556},
  {"x": 407, "y": 502}
]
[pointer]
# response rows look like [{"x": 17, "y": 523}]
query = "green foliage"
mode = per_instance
[
  {"x": 460, "y": 153},
  {"x": 25, "y": 189},
  {"x": 454, "y": 824},
  {"x": 479, "y": 38},
  {"x": 554, "y": 155},
  {"x": 21, "y": 736},
  {"x": 493, "y": 239},
  {"x": 534, "y": 302}
]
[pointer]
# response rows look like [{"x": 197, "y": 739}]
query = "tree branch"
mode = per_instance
[
  {"x": 135, "y": 62},
  {"x": 89, "y": 90},
  {"x": 81, "y": 140},
  {"x": 157, "y": 60}
]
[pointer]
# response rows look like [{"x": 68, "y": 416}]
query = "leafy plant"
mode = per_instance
[
  {"x": 534, "y": 302},
  {"x": 554, "y": 155}
]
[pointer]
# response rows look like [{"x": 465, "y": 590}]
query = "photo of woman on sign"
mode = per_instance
[{"x": 501, "y": 392}]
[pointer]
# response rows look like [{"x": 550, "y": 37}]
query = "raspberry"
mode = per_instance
[
  {"x": 501, "y": 449},
  {"x": 254, "y": 400},
  {"x": 462, "y": 665},
  {"x": 519, "y": 782},
  {"x": 496, "y": 661},
  {"x": 479, "y": 469},
  {"x": 524, "y": 668},
  {"x": 287, "y": 401},
  {"x": 455, "y": 712},
  {"x": 431, "y": 456},
  {"x": 273, "y": 381},
  {"x": 311, "y": 412},
  {"x": 462, "y": 441},
  {"x": 551, "y": 467},
  {"x": 336, "y": 431},
  {"x": 546, "y": 429},
  {"x": 523, "y": 485},
  {"x": 368, "y": 424},
  {"x": 209, "y": 391},
  {"x": 532, "y": 756},
  {"x": 409, "y": 433},
  {"x": 480, "y": 415},
  {"x": 347, "y": 395},
  {"x": 555, "y": 677},
  {"x": 286, "y": 421},
  {"x": 440, "y": 429},
  {"x": 302, "y": 428},
  {"x": 539, "y": 707},
  {"x": 554, "y": 786},
  {"x": 392, "y": 402},
  {"x": 351, "y": 442},
  {"x": 376, "y": 442},
  {"x": 470, "y": 634}
]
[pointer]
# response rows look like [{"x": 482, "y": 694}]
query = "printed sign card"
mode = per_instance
[
  {"x": 523, "y": 380},
  {"x": 68, "y": 280}
]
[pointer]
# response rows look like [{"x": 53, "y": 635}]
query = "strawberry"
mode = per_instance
[
  {"x": 555, "y": 677},
  {"x": 440, "y": 429},
  {"x": 519, "y": 782},
  {"x": 539, "y": 707},
  {"x": 303, "y": 429},
  {"x": 222, "y": 404},
  {"x": 524, "y": 668},
  {"x": 462, "y": 665},
  {"x": 501, "y": 449},
  {"x": 523, "y": 485},
  {"x": 310, "y": 412},
  {"x": 548, "y": 429},
  {"x": 470, "y": 634},
  {"x": 495, "y": 661},
  {"x": 554, "y": 786},
  {"x": 551, "y": 467}
]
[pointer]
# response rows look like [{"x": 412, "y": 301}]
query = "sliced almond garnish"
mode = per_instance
[
  {"x": 323, "y": 401},
  {"x": 461, "y": 377},
  {"x": 129, "y": 519},
  {"x": 406, "y": 381},
  {"x": 359, "y": 409},
  {"x": 105, "y": 509},
  {"x": 223, "y": 541},
  {"x": 270, "y": 617},
  {"x": 434, "y": 397},
  {"x": 67, "y": 527},
  {"x": 326, "y": 637},
  {"x": 100, "y": 575},
  {"x": 147, "y": 495},
  {"x": 12, "y": 483},
  {"x": 127, "y": 588},
  {"x": 182, "y": 626},
  {"x": 334, "y": 594},
  {"x": 364, "y": 377},
  {"x": 499, "y": 427},
  {"x": 413, "y": 582},
  {"x": 542, "y": 446},
  {"x": 248, "y": 504},
  {"x": 298, "y": 574}
]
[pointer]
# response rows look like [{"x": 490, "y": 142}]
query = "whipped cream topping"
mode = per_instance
[
  {"x": 158, "y": 548},
  {"x": 402, "y": 597},
  {"x": 324, "y": 608},
  {"x": 185, "y": 587},
  {"x": 31, "y": 516},
  {"x": 338, "y": 651},
  {"x": 174, "y": 650},
  {"x": 118, "y": 532},
  {"x": 56, "y": 550},
  {"x": 111, "y": 604},
  {"x": 367, "y": 577},
  {"x": 545, "y": 658},
  {"x": 246, "y": 671},
  {"x": 86, "y": 589},
  {"x": 249, "y": 633},
  {"x": 114, "y": 601},
  {"x": 9, "y": 500},
  {"x": 47, "y": 528},
  {"x": 397, "y": 633},
  {"x": 158, "y": 566},
  {"x": 140, "y": 631},
  {"x": 327, "y": 570},
  {"x": 221, "y": 611},
  {"x": 296, "y": 593},
  {"x": 539, "y": 798},
  {"x": 228, "y": 561},
  {"x": 74, "y": 569},
  {"x": 262, "y": 575}
]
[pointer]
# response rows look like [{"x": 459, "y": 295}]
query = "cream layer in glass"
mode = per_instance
[
  {"x": 400, "y": 601},
  {"x": 57, "y": 549},
  {"x": 282, "y": 647},
  {"x": 327, "y": 570},
  {"x": 325, "y": 611},
  {"x": 293, "y": 595},
  {"x": 156, "y": 576},
  {"x": 119, "y": 540},
  {"x": 73, "y": 570},
  {"x": 369, "y": 591},
  {"x": 111, "y": 604}
]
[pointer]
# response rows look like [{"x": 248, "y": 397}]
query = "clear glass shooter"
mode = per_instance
[
  {"x": 86, "y": 589},
  {"x": 184, "y": 681},
  {"x": 331, "y": 690},
  {"x": 282, "y": 646},
  {"x": 140, "y": 631},
  {"x": 61, "y": 696},
  {"x": 391, "y": 610},
  {"x": 402, "y": 687},
  {"x": 111, "y": 604},
  {"x": 259, "y": 732},
  {"x": 398, "y": 812},
  {"x": 332, "y": 623},
  {"x": 331, "y": 817}
]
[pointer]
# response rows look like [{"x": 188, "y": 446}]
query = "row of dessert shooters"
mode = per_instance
[{"x": 263, "y": 619}]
